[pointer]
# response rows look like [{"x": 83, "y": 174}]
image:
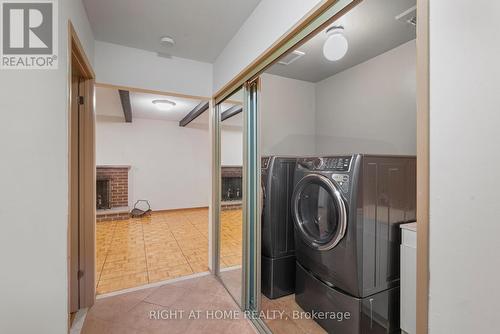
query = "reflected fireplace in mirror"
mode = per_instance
[{"x": 231, "y": 185}]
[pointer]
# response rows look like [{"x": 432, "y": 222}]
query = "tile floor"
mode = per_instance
[
  {"x": 168, "y": 245},
  {"x": 287, "y": 324},
  {"x": 232, "y": 279},
  {"x": 130, "y": 312},
  {"x": 162, "y": 246}
]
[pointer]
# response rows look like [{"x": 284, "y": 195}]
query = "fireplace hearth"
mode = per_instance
[
  {"x": 112, "y": 192},
  {"x": 231, "y": 186},
  {"x": 103, "y": 195}
]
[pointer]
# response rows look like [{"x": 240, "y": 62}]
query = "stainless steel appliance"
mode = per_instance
[
  {"x": 347, "y": 210},
  {"x": 278, "y": 248}
]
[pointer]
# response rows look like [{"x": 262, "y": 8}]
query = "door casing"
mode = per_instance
[{"x": 81, "y": 176}]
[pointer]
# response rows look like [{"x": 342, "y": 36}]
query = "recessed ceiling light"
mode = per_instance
[
  {"x": 167, "y": 41},
  {"x": 336, "y": 45},
  {"x": 164, "y": 105}
]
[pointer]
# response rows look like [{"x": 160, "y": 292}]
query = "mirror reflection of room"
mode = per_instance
[
  {"x": 338, "y": 146},
  {"x": 231, "y": 233}
]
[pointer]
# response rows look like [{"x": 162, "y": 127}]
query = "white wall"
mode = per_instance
[
  {"x": 125, "y": 66},
  {"x": 269, "y": 21},
  {"x": 34, "y": 188},
  {"x": 231, "y": 146},
  {"x": 464, "y": 166},
  {"x": 288, "y": 116},
  {"x": 169, "y": 163},
  {"x": 371, "y": 107}
]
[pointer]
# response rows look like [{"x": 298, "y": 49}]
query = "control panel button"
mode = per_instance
[
  {"x": 318, "y": 163},
  {"x": 342, "y": 180}
]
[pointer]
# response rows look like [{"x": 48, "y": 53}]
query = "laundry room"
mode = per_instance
[{"x": 338, "y": 159}]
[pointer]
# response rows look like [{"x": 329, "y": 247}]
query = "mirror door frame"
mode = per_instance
[
  {"x": 216, "y": 201},
  {"x": 319, "y": 18}
]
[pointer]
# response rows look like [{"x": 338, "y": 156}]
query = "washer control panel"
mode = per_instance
[{"x": 342, "y": 180}]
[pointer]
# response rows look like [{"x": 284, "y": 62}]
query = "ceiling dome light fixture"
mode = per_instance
[
  {"x": 164, "y": 105},
  {"x": 336, "y": 45}
]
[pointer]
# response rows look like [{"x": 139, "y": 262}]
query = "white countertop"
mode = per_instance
[{"x": 409, "y": 226}]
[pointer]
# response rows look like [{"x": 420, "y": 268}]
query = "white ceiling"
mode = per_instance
[
  {"x": 201, "y": 28},
  {"x": 108, "y": 105},
  {"x": 370, "y": 28}
]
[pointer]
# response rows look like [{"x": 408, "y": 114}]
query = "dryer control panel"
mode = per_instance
[
  {"x": 334, "y": 164},
  {"x": 338, "y": 164}
]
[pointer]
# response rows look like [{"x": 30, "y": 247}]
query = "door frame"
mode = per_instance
[
  {"x": 318, "y": 19},
  {"x": 423, "y": 150},
  {"x": 85, "y": 170}
]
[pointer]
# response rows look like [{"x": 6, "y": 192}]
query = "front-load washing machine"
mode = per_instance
[
  {"x": 347, "y": 211},
  {"x": 278, "y": 247}
]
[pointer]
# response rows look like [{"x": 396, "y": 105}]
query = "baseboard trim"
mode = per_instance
[
  {"x": 151, "y": 285},
  {"x": 181, "y": 209}
]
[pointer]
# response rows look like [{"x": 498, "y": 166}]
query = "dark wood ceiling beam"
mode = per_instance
[
  {"x": 126, "y": 105},
  {"x": 233, "y": 111},
  {"x": 193, "y": 114}
]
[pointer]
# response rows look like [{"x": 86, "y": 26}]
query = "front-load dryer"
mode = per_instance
[
  {"x": 278, "y": 247},
  {"x": 347, "y": 210}
]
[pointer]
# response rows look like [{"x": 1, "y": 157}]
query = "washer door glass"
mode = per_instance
[{"x": 319, "y": 212}]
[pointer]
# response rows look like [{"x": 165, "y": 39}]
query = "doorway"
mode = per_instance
[
  {"x": 81, "y": 228},
  {"x": 152, "y": 210}
]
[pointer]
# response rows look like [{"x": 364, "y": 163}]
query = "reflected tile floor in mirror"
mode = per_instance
[
  {"x": 231, "y": 238},
  {"x": 231, "y": 251}
]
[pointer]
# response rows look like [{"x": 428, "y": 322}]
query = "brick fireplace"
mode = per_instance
[{"x": 112, "y": 192}]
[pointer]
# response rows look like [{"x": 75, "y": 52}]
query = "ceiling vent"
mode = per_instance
[
  {"x": 409, "y": 16},
  {"x": 291, "y": 57}
]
